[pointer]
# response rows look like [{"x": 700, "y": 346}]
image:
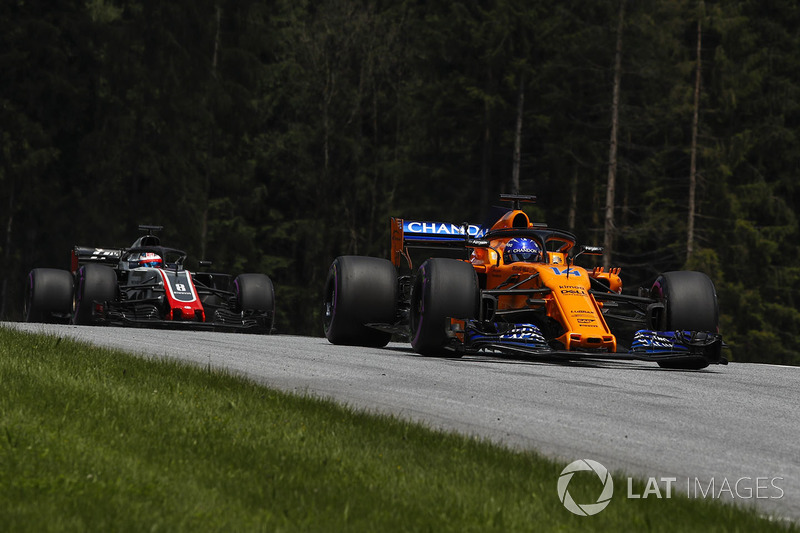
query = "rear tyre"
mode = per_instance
[
  {"x": 358, "y": 291},
  {"x": 93, "y": 283},
  {"x": 48, "y": 295},
  {"x": 443, "y": 288},
  {"x": 255, "y": 292},
  {"x": 691, "y": 304}
]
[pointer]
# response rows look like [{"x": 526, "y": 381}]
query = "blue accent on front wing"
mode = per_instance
[
  {"x": 647, "y": 341},
  {"x": 524, "y": 335}
]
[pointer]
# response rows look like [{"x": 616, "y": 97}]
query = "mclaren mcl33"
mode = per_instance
[{"x": 513, "y": 288}]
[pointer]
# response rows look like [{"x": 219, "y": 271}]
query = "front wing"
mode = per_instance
[
  {"x": 143, "y": 314},
  {"x": 526, "y": 340}
]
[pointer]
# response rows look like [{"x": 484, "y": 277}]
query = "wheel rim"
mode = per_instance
[
  {"x": 329, "y": 301},
  {"x": 418, "y": 305},
  {"x": 76, "y": 296}
]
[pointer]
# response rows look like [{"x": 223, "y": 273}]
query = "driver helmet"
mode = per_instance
[
  {"x": 522, "y": 249},
  {"x": 149, "y": 259}
]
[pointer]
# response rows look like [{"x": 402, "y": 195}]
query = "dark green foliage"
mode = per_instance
[{"x": 271, "y": 136}]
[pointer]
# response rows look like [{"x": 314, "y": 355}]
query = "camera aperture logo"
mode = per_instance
[{"x": 585, "y": 509}]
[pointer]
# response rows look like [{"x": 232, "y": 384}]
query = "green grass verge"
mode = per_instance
[{"x": 95, "y": 439}]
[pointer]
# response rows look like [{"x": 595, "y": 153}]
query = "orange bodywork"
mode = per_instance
[{"x": 564, "y": 295}]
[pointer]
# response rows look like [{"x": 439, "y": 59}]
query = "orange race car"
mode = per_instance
[{"x": 516, "y": 291}]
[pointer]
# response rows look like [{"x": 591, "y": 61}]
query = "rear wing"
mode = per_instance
[
  {"x": 418, "y": 234},
  {"x": 104, "y": 256}
]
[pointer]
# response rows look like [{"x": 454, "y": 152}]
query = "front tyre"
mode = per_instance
[
  {"x": 359, "y": 291},
  {"x": 255, "y": 294},
  {"x": 93, "y": 283},
  {"x": 690, "y": 300},
  {"x": 443, "y": 288},
  {"x": 48, "y": 295}
]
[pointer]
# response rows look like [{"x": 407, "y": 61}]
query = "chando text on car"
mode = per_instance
[
  {"x": 147, "y": 285},
  {"x": 515, "y": 290}
]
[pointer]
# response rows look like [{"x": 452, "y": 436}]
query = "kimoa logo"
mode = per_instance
[{"x": 585, "y": 509}]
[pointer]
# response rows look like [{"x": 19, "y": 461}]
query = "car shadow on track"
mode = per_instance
[{"x": 630, "y": 365}]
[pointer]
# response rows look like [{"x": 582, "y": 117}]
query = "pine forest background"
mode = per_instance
[{"x": 273, "y": 135}]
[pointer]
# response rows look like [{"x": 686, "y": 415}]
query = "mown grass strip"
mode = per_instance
[{"x": 95, "y": 439}]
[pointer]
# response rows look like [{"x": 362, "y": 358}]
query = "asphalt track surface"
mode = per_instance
[{"x": 729, "y": 432}]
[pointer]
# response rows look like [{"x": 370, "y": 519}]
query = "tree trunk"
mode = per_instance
[
  {"x": 573, "y": 199},
  {"x": 608, "y": 240},
  {"x": 7, "y": 251},
  {"x": 518, "y": 137},
  {"x": 693, "y": 158},
  {"x": 210, "y": 153},
  {"x": 486, "y": 165}
]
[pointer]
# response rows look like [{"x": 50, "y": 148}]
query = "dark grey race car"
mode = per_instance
[{"x": 147, "y": 285}]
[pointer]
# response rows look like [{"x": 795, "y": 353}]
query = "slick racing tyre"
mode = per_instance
[
  {"x": 255, "y": 293},
  {"x": 48, "y": 295},
  {"x": 358, "y": 291},
  {"x": 93, "y": 283},
  {"x": 691, "y": 305},
  {"x": 442, "y": 289}
]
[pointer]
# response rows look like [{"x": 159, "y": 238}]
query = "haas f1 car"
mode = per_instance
[
  {"x": 147, "y": 285},
  {"x": 516, "y": 291}
]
